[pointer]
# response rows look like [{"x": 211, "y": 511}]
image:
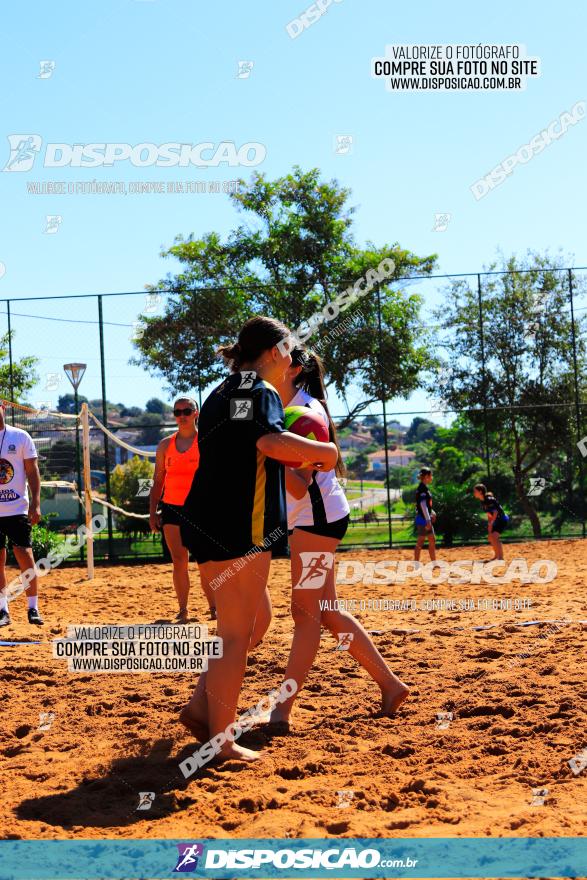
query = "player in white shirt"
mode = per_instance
[
  {"x": 318, "y": 517},
  {"x": 18, "y": 466}
]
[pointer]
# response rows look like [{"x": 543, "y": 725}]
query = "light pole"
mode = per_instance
[{"x": 75, "y": 374}]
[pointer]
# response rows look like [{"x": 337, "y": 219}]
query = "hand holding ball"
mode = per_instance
[{"x": 305, "y": 422}]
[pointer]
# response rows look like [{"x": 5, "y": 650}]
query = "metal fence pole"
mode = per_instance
[
  {"x": 577, "y": 397},
  {"x": 484, "y": 375},
  {"x": 10, "y": 367},
  {"x": 78, "y": 471},
  {"x": 105, "y": 422},
  {"x": 198, "y": 350},
  {"x": 385, "y": 435}
]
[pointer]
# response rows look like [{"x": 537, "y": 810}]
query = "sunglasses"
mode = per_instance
[{"x": 186, "y": 411}]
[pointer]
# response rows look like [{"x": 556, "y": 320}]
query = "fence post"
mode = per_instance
[
  {"x": 88, "y": 489},
  {"x": 385, "y": 436},
  {"x": 10, "y": 367},
  {"x": 577, "y": 397},
  {"x": 105, "y": 437},
  {"x": 484, "y": 375}
]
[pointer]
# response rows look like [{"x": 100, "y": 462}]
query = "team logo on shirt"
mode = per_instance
[
  {"x": 6, "y": 472},
  {"x": 11, "y": 447}
]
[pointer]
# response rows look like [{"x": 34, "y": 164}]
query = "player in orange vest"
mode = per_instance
[{"x": 176, "y": 462}]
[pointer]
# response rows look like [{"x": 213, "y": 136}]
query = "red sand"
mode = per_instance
[{"x": 514, "y": 728}]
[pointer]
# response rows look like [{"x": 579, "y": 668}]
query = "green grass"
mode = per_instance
[
  {"x": 372, "y": 534},
  {"x": 367, "y": 484}
]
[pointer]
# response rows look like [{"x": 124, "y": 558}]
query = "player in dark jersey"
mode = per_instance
[
  {"x": 497, "y": 519},
  {"x": 235, "y": 513},
  {"x": 425, "y": 516}
]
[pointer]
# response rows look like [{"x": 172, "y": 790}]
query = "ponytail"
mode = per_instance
[{"x": 257, "y": 335}]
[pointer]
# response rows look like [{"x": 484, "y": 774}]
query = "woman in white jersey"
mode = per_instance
[{"x": 318, "y": 516}]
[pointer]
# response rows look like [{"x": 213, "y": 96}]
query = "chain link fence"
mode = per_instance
[{"x": 522, "y": 429}]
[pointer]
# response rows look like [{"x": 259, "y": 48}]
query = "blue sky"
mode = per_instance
[{"x": 158, "y": 71}]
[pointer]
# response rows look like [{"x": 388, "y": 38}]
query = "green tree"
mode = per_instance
[
  {"x": 523, "y": 374},
  {"x": 400, "y": 476},
  {"x": 421, "y": 430},
  {"x": 151, "y": 428},
  {"x": 358, "y": 465},
  {"x": 23, "y": 379},
  {"x": 290, "y": 256},
  {"x": 155, "y": 405},
  {"x": 66, "y": 403},
  {"x": 457, "y": 513},
  {"x": 455, "y": 465},
  {"x": 59, "y": 459},
  {"x": 125, "y": 482}
]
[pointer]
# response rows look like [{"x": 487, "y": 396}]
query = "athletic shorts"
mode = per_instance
[
  {"x": 171, "y": 514},
  {"x": 206, "y": 549},
  {"x": 227, "y": 545},
  {"x": 17, "y": 529},
  {"x": 500, "y": 524},
  {"x": 421, "y": 529},
  {"x": 336, "y": 529}
]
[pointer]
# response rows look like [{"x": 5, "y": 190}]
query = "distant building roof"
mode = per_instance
[{"x": 400, "y": 452}]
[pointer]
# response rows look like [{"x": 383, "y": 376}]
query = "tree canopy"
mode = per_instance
[
  {"x": 24, "y": 378},
  {"x": 516, "y": 379},
  {"x": 291, "y": 253}
]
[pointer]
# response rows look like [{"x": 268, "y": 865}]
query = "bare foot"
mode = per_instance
[
  {"x": 212, "y": 614},
  {"x": 182, "y": 616},
  {"x": 196, "y": 721},
  {"x": 278, "y": 723},
  {"x": 393, "y": 697},
  {"x": 259, "y": 718},
  {"x": 233, "y": 752}
]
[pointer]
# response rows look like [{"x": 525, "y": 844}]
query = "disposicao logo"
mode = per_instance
[{"x": 189, "y": 853}]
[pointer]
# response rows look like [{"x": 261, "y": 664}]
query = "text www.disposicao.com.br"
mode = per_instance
[{"x": 136, "y": 664}]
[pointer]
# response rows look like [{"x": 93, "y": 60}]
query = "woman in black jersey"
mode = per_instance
[
  {"x": 497, "y": 519},
  {"x": 235, "y": 512}
]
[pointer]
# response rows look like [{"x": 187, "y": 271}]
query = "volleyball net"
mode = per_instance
[{"x": 88, "y": 469}]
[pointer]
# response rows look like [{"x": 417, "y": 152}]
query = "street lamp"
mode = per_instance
[{"x": 75, "y": 374}]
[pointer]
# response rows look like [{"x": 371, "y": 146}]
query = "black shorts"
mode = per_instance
[
  {"x": 207, "y": 549},
  {"x": 336, "y": 529},
  {"x": 500, "y": 524},
  {"x": 17, "y": 529},
  {"x": 171, "y": 514}
]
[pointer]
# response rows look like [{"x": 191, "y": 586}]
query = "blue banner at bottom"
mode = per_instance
[{"x": 526, "y": 857}]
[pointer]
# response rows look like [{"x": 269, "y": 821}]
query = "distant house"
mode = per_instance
[
  {"x": 356, "y": 440},
  {"x": 397, "y": 458}
]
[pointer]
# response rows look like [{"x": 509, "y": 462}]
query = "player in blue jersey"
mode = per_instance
[
  {"x": 425, "y": 516},
  {"x": 497, "y": 518}
]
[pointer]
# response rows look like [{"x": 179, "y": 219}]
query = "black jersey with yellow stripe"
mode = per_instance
[{"x": 237, "y": 498}]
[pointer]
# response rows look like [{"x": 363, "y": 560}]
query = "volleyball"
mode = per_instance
[{"x": 307, "y": 423}]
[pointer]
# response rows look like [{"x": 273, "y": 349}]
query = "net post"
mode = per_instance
[
  {"x": 10, "y": 364},
  {"x": 105, "y": 436},
  {"x": 87, "y": 489}
]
